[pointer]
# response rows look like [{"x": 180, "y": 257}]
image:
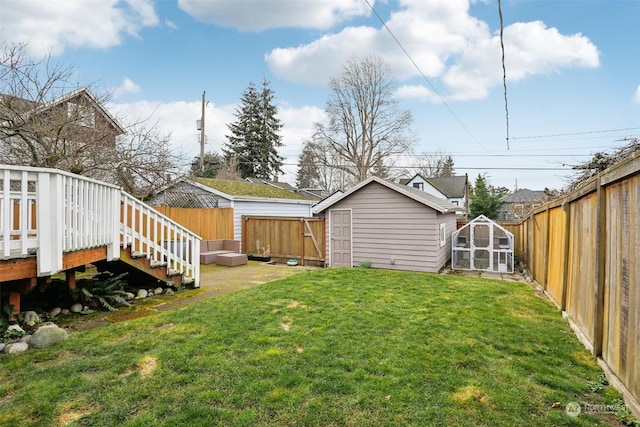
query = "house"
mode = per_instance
[
  {"x": 519, "y": 203},
  {"x": 391, "y": 226},
  {"x": 452, "y": 188},
  {"x": 75, "y": 115},
  {"x": 245, "y": 198}
]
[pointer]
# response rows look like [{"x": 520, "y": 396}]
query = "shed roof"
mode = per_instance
[
  {"x": 234, "y": 189},
  {"x": 420, "y": 196}
]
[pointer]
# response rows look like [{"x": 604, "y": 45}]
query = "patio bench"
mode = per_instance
[{"x": 210, "y": 249}]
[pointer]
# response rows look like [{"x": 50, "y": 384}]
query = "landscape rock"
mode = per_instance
[
  {"x": 157, "y": 291},
  {"x": 47, "y": 335},
  {"x": 2, "y": 346},
  {"x": 142, "y": 293},
  {"x": 16, "y": 328},
  {"x": 64, "y": 312},
  {"x": 168, "y": 291},
  {"x": 30, "y": 318},
  {"x": 16, "y": 347},
  {"x": 129, "y": 296},
  {"x": 76, "y": 308},
  {"x": 55, "y": 312},
  {"x": 25, "y": 339}
]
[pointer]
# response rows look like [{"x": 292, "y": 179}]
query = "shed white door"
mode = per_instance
[{"x": 341, "y": 238}]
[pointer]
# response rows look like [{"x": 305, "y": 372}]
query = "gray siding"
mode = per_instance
[{"x": 395, "y": 232}]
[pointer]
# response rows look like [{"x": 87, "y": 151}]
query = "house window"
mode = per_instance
[
  {"x": 443, "y": 235},
  {"x": 455, "y": 202},
  {"x": 83, "y": 115},
  {"x": 419, "y": 185}
]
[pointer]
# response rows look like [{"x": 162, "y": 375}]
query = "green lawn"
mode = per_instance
[{"x": 328, "y": 347}]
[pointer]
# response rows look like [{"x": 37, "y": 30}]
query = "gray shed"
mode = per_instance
[{"x": 391, "y": 226}]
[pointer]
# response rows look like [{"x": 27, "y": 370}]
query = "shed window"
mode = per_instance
[
  {"x": 443, "y": 234},
  {"x": 418, "y": 185}
]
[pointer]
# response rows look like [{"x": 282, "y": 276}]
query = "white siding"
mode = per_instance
[{"x": 395, "y": 232}]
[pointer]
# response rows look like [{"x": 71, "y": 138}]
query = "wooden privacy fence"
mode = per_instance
[
  {"x": 584, "y": 249},
  {"x": 285, "y": 238},
  {"x": 209, "y": 223}
]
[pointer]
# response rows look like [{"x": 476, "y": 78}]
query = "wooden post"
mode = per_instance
[
  {"x": 565, "y": 249},
  {"x": 545, "y": 264},
  {"x": 302, "y": 240},
  {"x": 601, "y": 252},
  {"x": 14, "y": 300},
  {"x": 71, "y": 279}
]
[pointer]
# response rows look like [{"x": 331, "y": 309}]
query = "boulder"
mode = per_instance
[
  {"x": 2, "y": 346},
  {"x": 142, "y": 293},
  {"x": 25, "y": 339},
  {"x": 129, "y": 296},
  {"x": 168, "y": 291},
  {"x": 55, "y": 311},
  {"x": 157, "y": 291},
  {"x": 76, "y": 308},
  {"x": 30, "y": 318},
  {"x": 47, "y": 335},
  {"x": 16, "y": 328},
  {"x": 16, "y": 347},
  {"x": 64, "y": 311}
]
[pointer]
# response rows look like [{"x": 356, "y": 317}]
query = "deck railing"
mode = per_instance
[{"x": 47, "y": 212}]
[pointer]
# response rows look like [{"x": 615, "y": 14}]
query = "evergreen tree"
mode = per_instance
[
  {"x": 254, "y": 137},
  {"x": 447, "y": 167},
  {"x": 308, "y": 175},
  {"x": 212, "y": 164},
  {"x": 484, "y": 201}
]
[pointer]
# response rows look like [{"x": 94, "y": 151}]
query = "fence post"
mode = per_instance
[
  {"x": 601, "y": 252},
  {"x": 545, "y": 264},
  {"x": 301, "y": 222},
  {"x": 566, "y": 207}
]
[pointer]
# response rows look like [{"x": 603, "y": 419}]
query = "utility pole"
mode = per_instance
[{"x": 202, "y": 135}]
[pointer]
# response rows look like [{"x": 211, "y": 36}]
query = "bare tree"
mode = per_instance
[
  {"x": 320, "y": 166},
  {"x": 436, "y": 164},
  {"x": 365, "y": 126},
  {"x": 48, "y": 121}
]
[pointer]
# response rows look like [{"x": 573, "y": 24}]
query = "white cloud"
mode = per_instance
[
  {"x": 127, "y": 86},
  {"x": 450, "y": 46},
  {"x": 170, "y": 24},
  {"x": 53, "y": 26},
  {"x": 416, "y": 92},
  {"x": 636, "y": 96},
  {"x": 258, "y": 15}
]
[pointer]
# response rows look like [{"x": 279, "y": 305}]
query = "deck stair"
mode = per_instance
[{"x": 54, "y": 222}]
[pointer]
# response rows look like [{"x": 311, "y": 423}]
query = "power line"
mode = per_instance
[
  {"x": 420, "y": 72},
  {"x": 575, "y": 133}
]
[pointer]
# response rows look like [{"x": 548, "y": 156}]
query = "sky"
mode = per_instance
[{"x": 572, "y": 70}]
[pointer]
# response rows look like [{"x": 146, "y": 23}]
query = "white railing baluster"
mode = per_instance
[{"x": 74, "y": 213}]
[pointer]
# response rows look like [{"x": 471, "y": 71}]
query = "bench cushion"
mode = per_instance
[{"x": 231, "y": 259}]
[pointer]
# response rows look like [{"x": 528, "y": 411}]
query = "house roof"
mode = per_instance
[
  {"x": 31, "y": 108},
  {"x": 450, "y": 186},
  {"x": 420, "y": 196},
  {"x": 234, "y": 189},
  {"x": 524, "y": 195}
]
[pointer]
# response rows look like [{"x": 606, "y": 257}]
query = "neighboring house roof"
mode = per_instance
[
  {"x": 33, "y": 108},
  {"x": 450, "y": 186},
  {"x": 524, "y": 195},
  {"x": 234, "y": 190},
  {"x": 419, "y": 196}
]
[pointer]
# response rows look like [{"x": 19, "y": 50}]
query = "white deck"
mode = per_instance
[{"x": 48, "y": 212}]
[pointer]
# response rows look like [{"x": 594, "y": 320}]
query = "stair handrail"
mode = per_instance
[{"x": 160, "y": 239}]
